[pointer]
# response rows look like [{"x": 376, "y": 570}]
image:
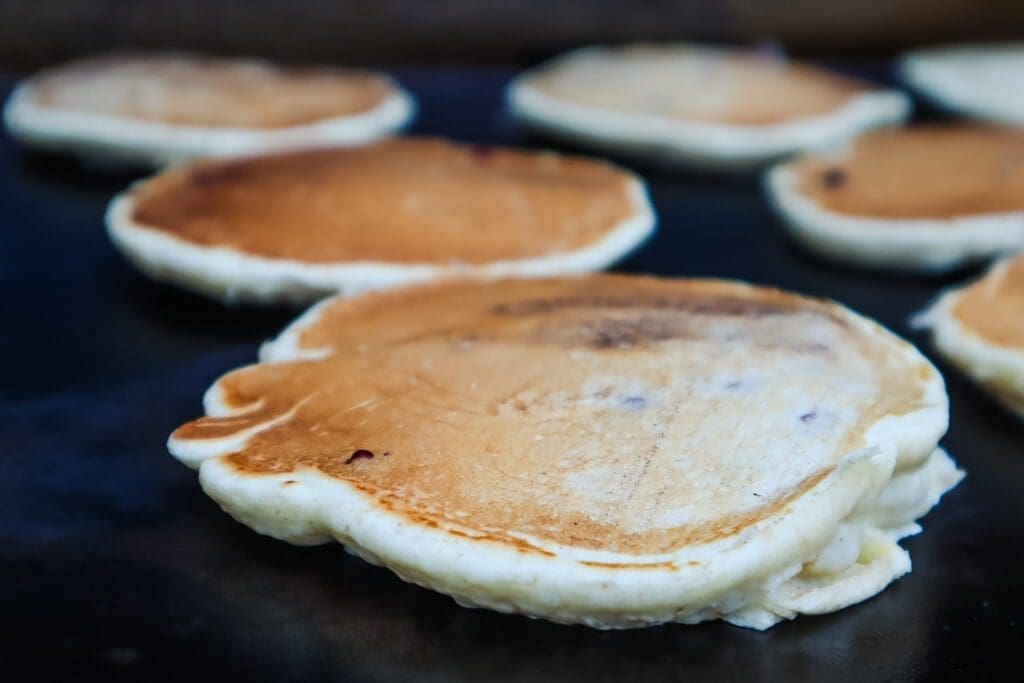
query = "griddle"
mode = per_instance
[{"x": 114, "y": 564}]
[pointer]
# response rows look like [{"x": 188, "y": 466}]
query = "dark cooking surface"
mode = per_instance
[{"x": 113, "y": 562}]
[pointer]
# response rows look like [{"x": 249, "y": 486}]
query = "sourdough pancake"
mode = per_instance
[
  {"x": 157, "y": 108},
  {"x": 984, "y": 81},
  {"x": 698, "y": 105},
  {"x": 927, "y": 198},
  {"x": 610, "y": 450},
  {"x": 298, "y": 225},
  {"x": 980, "y": 329}
]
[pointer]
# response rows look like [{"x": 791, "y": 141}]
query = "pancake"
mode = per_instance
[
  {"x": 980, "y": 329},
  {"x": 983, "y": 81},
  {"x": 298, "y": 225},
  {"x": 157, "y": 108},
  {"x": 610, "y": 450},
  {"x": 697, "y": 105},
  {"x": 926, "y": 198}
]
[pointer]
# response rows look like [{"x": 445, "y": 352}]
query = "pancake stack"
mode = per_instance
[{"x": 610, "y": 450}]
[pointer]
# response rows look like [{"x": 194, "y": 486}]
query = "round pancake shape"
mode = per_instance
[
  {"x": 980, "y": 329},
  {"x": 298, "y": 225},
  {"x": 925, "y": 198},
  {"x": 153, "y": 109},
  {"x": 697, "y": 105},
  {"x": 611, "y": 450},
  {"x": 982, "y": 81}
]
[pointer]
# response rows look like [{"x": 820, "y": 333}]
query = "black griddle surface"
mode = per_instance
[{"x": 113, "y": 563}]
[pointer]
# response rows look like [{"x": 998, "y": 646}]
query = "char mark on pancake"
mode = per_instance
[
  {"x": 360, "y": 454},
  {"x": 834, "y": 177}
]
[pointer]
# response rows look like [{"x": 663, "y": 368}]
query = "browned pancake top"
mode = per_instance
[
  {"x": 616, "y": 413},
  {"x": 207, "y": 91},
  {"x": 934, "y": 171},
  {"x": 700, "y": 84},
  {"x": 993, "y": 307},
  {"x": 403, "y": 201}
]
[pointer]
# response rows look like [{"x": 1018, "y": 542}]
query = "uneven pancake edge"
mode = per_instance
[
  {"x": 926, "y": 245},
  {"x": 91, "y": 134},
  {"x": 996, "y": 368},
  {"x": 699, "y": 143},
  {"x": 232, "y": 275},
  {"x": 925, "y": 72},
  {"x": 752, "y": 579}
]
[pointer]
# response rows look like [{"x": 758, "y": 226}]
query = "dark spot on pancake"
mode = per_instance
[
  {"x": 834, "y": 177},
  {"x": 634, "y": 402},
  {"x": 386, "y": 453},
  {"x": 482, "y": 152},
  {"x": 808, "y": 416},
  {"x": 619, "y": 333},
  {"x": 356, "y": 455}
]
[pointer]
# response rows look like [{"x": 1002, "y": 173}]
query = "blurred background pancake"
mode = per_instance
[
  {"x": 981, "y": 81},
  {"x": 928, "y": 197},
  {"x": 698, "y": 105},
  {"x": 297, "y": 225},
  {"x": 979, "y": 327},
  {"x": 155, "y": 108}
]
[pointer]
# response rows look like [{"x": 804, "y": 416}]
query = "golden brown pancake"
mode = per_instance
[
  {"x": 480, "y": 395},
  {"x": 979, "y": 327},
  {"x": 927, "y": 198},
  {"x": 931, "y": 171},
  {"x": 399, "y": 201},
  {"x": 209, "y": 91},
  {"x": 607, "y": 449},
  {"x": 993, "y": 307},
  {"x": 735, "y": 87}
]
